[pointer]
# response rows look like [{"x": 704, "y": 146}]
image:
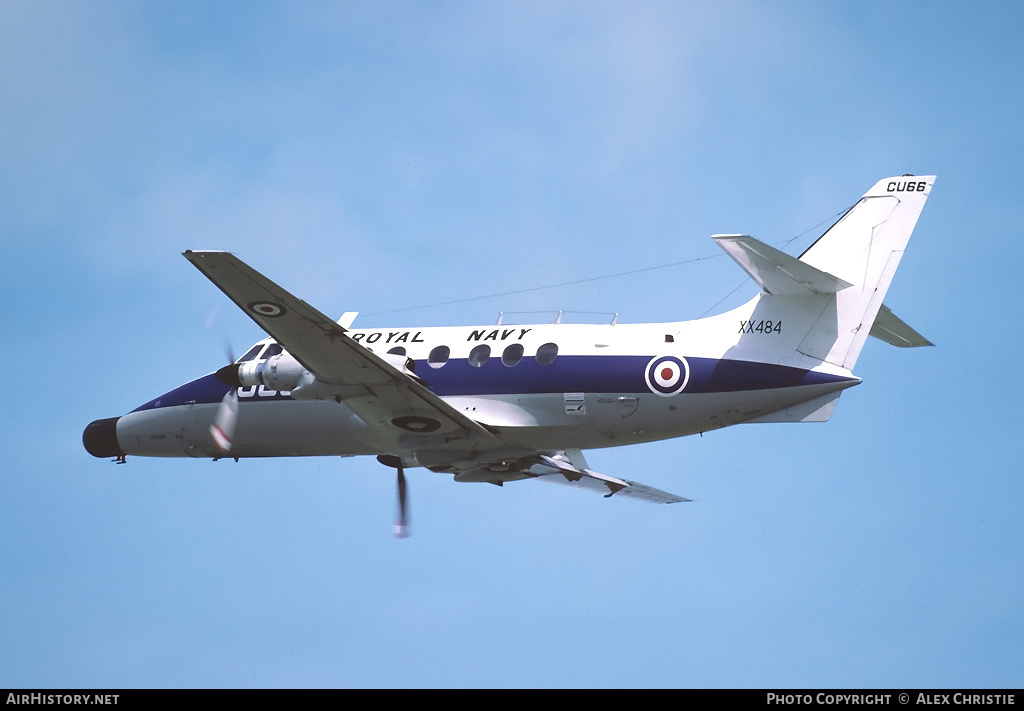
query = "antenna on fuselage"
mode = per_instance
[{"x": 560, "y": 315}]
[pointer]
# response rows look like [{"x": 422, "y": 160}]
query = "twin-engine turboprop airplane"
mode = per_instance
[{"x": 502, "y": 403}]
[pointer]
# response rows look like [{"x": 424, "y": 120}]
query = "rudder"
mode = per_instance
[{"x": 863, "y": 248}]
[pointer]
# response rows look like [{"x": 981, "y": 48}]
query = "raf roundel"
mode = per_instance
[
  {"x": 266, "y": 308},
  {"x": 412, "y": 423},
  {"x": 667, "y": 375}
]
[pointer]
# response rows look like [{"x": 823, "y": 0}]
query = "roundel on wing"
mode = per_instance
[
  {"x": 667, "y": 375},
  {"x": 266, "y": 308},
  {"x": 413, "y": 423}
]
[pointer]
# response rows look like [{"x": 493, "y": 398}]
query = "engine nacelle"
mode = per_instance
[
  {"x": 284, "y": 373},
  {"x": 281, "y": 372}
]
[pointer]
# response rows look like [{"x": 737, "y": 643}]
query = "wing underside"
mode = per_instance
[
  {"x": 393, "y": 403},
  {"x": 570, "y": 468}
]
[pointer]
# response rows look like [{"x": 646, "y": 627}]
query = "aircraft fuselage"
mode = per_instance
[{"x": 543, "y": 387}]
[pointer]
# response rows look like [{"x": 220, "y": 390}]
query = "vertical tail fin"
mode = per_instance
[{"x": 863, "y": 249}]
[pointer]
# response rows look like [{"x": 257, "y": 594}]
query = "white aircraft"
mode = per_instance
[{"x": 503, "y": 403}]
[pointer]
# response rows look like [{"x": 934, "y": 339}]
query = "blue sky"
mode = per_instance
[{"x": 376, "y": 157}]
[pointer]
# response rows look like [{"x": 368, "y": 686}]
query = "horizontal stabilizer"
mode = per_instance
[
  {"x": 890, "y": 328},
  {"x": 777, "y": 272}
]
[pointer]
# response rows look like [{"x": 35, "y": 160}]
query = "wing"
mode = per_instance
[
  {"x": 398, "y": 407},
  {"x": 603, "y": 484},
  {"x": 570, "y": 468},
  {"x": 394, "y": 404}
]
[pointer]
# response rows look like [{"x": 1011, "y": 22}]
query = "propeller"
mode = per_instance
[
  {"x": 223, "y": 428},
  {"x": 402, "y": 524},
  {"x": 224, "y": 422}
]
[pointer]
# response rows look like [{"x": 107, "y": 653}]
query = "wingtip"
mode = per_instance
[{"x": 189, "y": 253}]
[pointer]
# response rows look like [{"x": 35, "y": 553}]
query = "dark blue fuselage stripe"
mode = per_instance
[{"x": 585, "y": 374}]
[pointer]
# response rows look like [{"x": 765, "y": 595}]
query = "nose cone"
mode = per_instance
[
  {"x": 100, "y": 438},
  {"x": 229, "y": 375}
]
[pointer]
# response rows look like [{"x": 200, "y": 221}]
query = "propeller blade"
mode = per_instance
[
  {"x": 402, "y": 525},
  {"x": 223, "y": 428}
]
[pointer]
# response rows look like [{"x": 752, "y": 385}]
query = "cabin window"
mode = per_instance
[
  {"x": 439, "y": 356},
  {"x": 272, "y": 350},
  {"x": 547, "y": 353},
  {"x": 251, "y": 353},
  {"x": 397, "y": 350},
  {"x": 479, "y": 355},
  {"x": 512, "y": 355}
]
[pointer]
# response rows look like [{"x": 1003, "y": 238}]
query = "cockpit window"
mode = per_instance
[
  {"x": 272, "y": 350},
  {"x": 251, "y": 353}
]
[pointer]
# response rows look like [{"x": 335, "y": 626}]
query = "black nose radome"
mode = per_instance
[{"x": 100, "y": 438}]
